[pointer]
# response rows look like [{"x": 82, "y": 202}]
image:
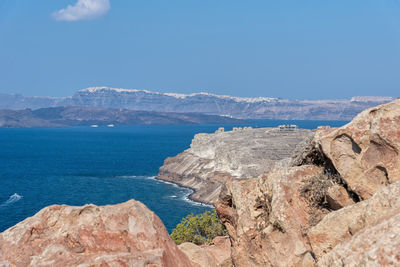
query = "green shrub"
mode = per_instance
[{"x": 200, "y": 229}]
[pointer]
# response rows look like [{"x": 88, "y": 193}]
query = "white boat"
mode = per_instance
[
  {"x": 110, "y": 125},
  {"x": 94, "y": 126}
]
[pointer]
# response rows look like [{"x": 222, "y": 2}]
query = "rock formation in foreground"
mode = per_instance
[
  {"x": 126, "y": 234},
  {"x": 213, "y": 159},
  {"x": 338, "y": 204},
  {"x": 216, "y": 254}
]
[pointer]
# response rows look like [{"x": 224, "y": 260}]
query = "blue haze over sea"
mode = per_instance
[{"x": 80, "y": 165}]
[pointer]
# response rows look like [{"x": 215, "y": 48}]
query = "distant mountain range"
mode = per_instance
[
  {"x": 230, "y": 106},
  {"x": 80, "y": 116}
]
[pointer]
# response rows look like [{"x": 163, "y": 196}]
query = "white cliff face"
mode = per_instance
[
  {"x": 212, "y": 159},
  {"x": 206, "y": 103},
  {"x": 177, "y": 95},
  {"x": 246, "y": 153}
]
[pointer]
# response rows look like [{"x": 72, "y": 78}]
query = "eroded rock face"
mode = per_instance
[
  {"x": 366, "y": 151},
  {"x": 338, "y": 226},
  {"x": 267, "y": 218},
  {"x": 213, "y": 159},
  {"x": 378, "y": 245},
  {"x": 126, "y": 234},
  {"x": 336, "y": 204}
]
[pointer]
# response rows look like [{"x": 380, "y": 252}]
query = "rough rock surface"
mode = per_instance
[
  {"x": 366, "y": 151},
  {"x": 378, "y": 245},
  {"x": 336, "y": 204},
  {"x": 338, "y": 226},
  {"x": 216, "y": 254},
  {"x": 126, "y": 234},
  {"x": 213, "y": 159},
  {"x": 337, "y": 197},
  {"x": 267, "y": 218}
]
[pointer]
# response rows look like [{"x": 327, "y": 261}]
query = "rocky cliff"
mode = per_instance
[
  {"x": 213, "y": 159},
  {"x": 127, "y": 234},
  {"x": 338, "y": 204},
  {"x": 238, "y": 107}
]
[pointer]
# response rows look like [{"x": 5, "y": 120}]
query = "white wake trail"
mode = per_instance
[{"x": 12, "y": 199}]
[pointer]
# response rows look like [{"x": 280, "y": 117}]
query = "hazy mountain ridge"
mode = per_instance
[
  {"x": 238, "y": 107},
  {"x": 80, "y": 116},
  {"x": 18, "y": 101}
]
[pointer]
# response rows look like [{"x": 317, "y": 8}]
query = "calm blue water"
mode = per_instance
[{"x": 75, "y": 166}]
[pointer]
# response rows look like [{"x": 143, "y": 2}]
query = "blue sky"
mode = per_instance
[{"x": 288, "y": 49}]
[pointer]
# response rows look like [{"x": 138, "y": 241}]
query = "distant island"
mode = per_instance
[
  {"x": 205, "y": 103},
  {"x": 99, "y": 116}
]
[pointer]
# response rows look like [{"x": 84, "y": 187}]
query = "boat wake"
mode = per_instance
[
  {"x": 12, "y": 199},
  {"x": 126, "y": 176}
]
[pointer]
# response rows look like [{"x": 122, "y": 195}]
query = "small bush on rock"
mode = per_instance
[
  {"x": 200, "y": 229},
  {"x": 316, "y": 189}
]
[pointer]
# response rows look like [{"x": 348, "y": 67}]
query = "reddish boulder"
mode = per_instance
[
  {"x": 267, "y": 218},
  {"x": 126, "y": 234},
  {"x": 365, "y": 152},
  {"x": 337, "y": 197},
  {"x": 216, "y": 254},
  {"x": 345, "y": 187},
  {"x": 378, "y": 245},
  {"x": 339, "y": 226}
]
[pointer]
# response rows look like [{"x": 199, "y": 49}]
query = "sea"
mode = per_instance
[{"x": 104, "y": 165}]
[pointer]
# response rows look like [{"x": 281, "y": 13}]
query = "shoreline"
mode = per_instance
[{"x": 189, "y": 197}]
